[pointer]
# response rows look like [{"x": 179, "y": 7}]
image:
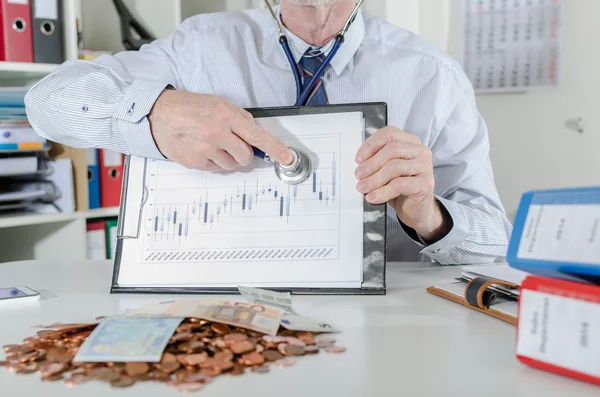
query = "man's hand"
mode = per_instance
[
  {"x": 209, "y": 133},
  {"x": 395, "y": 167}
]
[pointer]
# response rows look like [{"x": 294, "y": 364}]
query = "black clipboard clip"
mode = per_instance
[{"x": 130, "y": 24}]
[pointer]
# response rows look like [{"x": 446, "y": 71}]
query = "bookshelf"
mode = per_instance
[{"x": 25, "y": 74}]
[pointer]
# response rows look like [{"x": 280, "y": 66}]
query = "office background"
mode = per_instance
[{"x": 532, "y": 145}]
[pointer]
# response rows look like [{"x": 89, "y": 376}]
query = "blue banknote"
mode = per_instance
[{"x": 128, "y": 339}]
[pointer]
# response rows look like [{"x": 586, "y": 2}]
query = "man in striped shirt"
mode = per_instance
[{"x": 431, "y": 164}]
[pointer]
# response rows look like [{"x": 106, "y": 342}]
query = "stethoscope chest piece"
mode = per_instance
[{"x": 297, "y": 172}]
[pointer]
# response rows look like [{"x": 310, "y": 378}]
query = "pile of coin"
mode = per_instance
[{"x": 198, "y": 352}]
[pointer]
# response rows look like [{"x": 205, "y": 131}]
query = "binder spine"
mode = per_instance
[{"x": 48, "y": 33}]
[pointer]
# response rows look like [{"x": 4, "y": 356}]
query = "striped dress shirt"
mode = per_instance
[{"x": 105, "y": 103}]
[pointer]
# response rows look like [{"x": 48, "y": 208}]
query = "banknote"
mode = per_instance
[
  {"x": 300, "y": 323},
  {"x": 291, "y": 319},
  {"x": 260, "y": 318},
  {"x": 122, "y": 339},
  {"x": 271, "y": 298}
]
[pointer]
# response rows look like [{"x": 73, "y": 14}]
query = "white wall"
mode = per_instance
[{"x": 530, "y": 146}]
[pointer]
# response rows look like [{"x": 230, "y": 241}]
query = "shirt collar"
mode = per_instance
[{"x": 352, "y": 41}]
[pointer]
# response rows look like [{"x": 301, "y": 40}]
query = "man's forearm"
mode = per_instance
[{"x": 90, "y": 105}]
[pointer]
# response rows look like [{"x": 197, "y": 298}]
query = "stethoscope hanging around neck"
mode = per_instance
[
  {"x": 303, "y": 91},
  {"x": 300, "y": 169}
]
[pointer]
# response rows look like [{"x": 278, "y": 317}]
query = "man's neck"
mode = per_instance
[{"x": 316, "y": 26}]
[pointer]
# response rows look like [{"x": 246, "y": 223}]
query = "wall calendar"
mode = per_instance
[{"x": 512, "y": 45}]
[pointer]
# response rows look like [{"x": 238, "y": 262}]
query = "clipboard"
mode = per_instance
[{"x": 374, "y": 217}]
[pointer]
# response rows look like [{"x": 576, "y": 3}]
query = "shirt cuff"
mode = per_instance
[
  {"x": 132, "y": 118},
  {"x": 455, "y": 236}
]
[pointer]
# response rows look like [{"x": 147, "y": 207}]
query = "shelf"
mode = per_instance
[
  {"x": 16, "y": 73},
  {"x": 100, "y": 213},
  {"x": 7, "y": 221}
]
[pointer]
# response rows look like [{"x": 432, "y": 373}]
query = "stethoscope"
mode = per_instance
[{"x": 301, "y": 167}]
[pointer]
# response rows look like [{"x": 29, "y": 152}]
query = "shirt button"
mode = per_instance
[{"x": 84, "y": 108}]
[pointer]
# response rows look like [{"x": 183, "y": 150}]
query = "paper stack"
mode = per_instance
[{"x": 25, "y": 165}]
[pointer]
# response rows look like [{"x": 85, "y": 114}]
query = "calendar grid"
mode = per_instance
[{"x": 512, "y": 45}]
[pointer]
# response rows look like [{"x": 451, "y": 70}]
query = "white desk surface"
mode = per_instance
[{"x": 407, "y": 343}]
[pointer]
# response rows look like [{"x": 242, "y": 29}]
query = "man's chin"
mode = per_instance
[{"x": 313, "y": 3}]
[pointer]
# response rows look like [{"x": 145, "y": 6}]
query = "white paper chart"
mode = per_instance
[
  {"x": 512, "y": 45},
  {"x": 247, "y": 227},
  {"x": 202, "y": 216}
]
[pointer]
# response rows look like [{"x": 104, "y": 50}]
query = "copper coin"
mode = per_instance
[
  {"x": 220, "y": 343},
  {"x": 58, "y": 355},
  {"x": 211, "y": 372},
  {"x": 235, "y": 337},
  {"x": 292, "y": 350},
  {"x": 259, "y": 348},
  {"x": 118, "y": 367},
  {"x": 53, "y": 378},
  {"x": 197, "y": 378},
  {"x": 225, "y": 355},
  {"x": 295, "y": 342},
  {"x": 181, "y": 337},
  {"x": 281, "y": 347},
  {"x": 3, "y": 363},
  {"x": 323, "y": 345},
  {"x": 42, "y": 345},
  {"x": 242, "y": 347},
  {"x": 221, "y": 329},
  {"x": 101, "y": 373},
  {"x": 189, "y": 387},
  {"x": 134, "y": 369},
  {"x": 196, "y": 359},
  {"x": 52, "y": 369},
  {"x": 262, "y": 369},
  {"x": 326, "y": 340},
  {"x": 168, "y": 358},
  {"x": 335, "y": 349},
  {"x": 123, "y": 381},
  {"x": 182, "y": 373},
  {"x": 238, "y": 369},
  {"x": 195, "y": 345},
  {"x": 27, "y": 370},
  {"x": 11, "y": 348},
  {"x": 77, "y": 379},
  {"x": 273, "y": 339},
  {"x": 224, "y": 365},
  {"x": 184, "y": 328},
  {"x": 170, "y": 367},
  {"x": 182, "y": 358},
  {"x": 311, "y": 349},
  {"x": 253, "y": 358},
  {"x": 285, "y": 362},
  {"x": 272, "y": 355},
  {"x": 28, "y": 356}
]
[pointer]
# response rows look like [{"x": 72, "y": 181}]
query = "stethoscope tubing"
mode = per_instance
[{"x": 303, "y": 92}]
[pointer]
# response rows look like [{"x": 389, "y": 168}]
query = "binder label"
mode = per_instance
[
  {"x": 112, "y": 159},
  {"x": 559, "y": 330},
  {"x": 562, "y": 232},
  {"x": 46, "y": 9}
]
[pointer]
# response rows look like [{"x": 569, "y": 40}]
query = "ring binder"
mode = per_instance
[{"x": 374, "y": 216}]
